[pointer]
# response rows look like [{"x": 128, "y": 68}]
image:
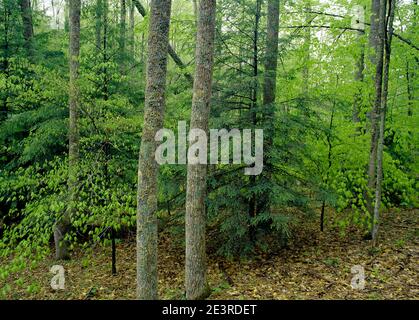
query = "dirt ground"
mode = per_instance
[{"x": 315, "y": 266}]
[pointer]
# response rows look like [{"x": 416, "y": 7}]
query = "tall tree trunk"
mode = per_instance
[
  {"x": 131, "y": 29},
  {"x": 383, "y": 109},
  {"x": 306, "y": 47},
  {"x": 195, "y": 221},
  {"x": 63, "y": 224},
  {"x": 158, "y": 41},
  {"x": 26, "y": 11},
  {"x": 122, "y": 28},
  {"x": 269, "y": 88},
  {"x": 377, "y": 44},
  {"x": 252, "y": 206},
  {"x": 98, "y": 24}
]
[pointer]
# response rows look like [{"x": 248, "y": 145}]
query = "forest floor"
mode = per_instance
[{"x": 315, "y": 266}]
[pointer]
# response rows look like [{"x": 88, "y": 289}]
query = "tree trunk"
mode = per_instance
[
  {"x": 131, "y": 29},
  {"x": 269, "y": 91},
  {"x": 383, "y": 107},
  {"x": 98, "y": 24},
  {"x": 377, "y": 44},
  {"x": 158, "y": 41},
  {"x": 26, "y": 11},
  {"x": 122, "y": 28},
  {"x": 195, "y": 221},
  {"x": 63, "y": 224},
  {"x": 252, "y": 205},
  {"x": 306, "y": 47}
]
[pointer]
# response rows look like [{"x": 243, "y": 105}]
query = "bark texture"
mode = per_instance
[
  {"x": 383, "y": 111},
  {"x": 378, "y": 57},
  {"x": 195, "y": 222},
  {"x": 158, "y": 41},
  {"x": 62, "y": 226}
]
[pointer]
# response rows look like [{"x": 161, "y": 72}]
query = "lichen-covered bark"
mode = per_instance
[
  {"x": 63, "y": 224},
  {"x": 158, "y": 41},
  {"x": 195, "y": 221}
]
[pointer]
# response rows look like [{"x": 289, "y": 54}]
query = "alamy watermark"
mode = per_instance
[
  {"x": 58, "y": 280},
  {"x": 221, "y": 144}
]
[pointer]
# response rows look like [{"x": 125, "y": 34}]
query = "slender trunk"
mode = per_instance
[
  {"x": 252, "y": 209},
  {"x": 388, "y": 38},
  {"x": 195, "y": 12},
  {"x": 98, "y": 24},
  {"x": 131, "y": 29},
  {"x": 195, "y": 221},
  {"x": 122, "y": 28},
  {"x": 329, "y": 161},
  {"x": 26, "y": 11},
  {"x": 63, "y": 224},
  {"x": 306, "y": 47},
  {"x": 158, "y": 41},
  {"x": 378, "y": 58},
  {"x": 269, "y": 89}
]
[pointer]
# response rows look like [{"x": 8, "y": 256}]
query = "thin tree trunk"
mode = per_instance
[
  {"x": 98, "y": 24},
  {"x": 306, "y": 47},
  {"x": 195, "y": 221},
  {"x": 252, "y": 209},
  {"x": 158, "y": 41},
  {"x": 269, "y": 89},
  {"x": 383, "y": 107},
  {"x": 131, "y": 29},
  {"x": 26, "y": 11},
  {"x": 122, "y": 28},
  {"x": 63, "y": 224},
  {"x": 378, "y": 58}
]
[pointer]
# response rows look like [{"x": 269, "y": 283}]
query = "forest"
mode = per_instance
[{"x": 209, "y": 149}]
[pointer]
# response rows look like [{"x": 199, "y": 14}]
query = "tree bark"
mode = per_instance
[
  {"x": 98, "y": 24},
  {"x": 195, "y": 221},
  {"x": 383, "y": 110},
  {"x": 26, "y": 11},
  {"x": 158, "y": 41},
  {"x": 63, "y": 224},
  {"x": 131, "y": 29},
  {"x": 377, "y": 44},
  {"x": 269, "y": 91}
]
